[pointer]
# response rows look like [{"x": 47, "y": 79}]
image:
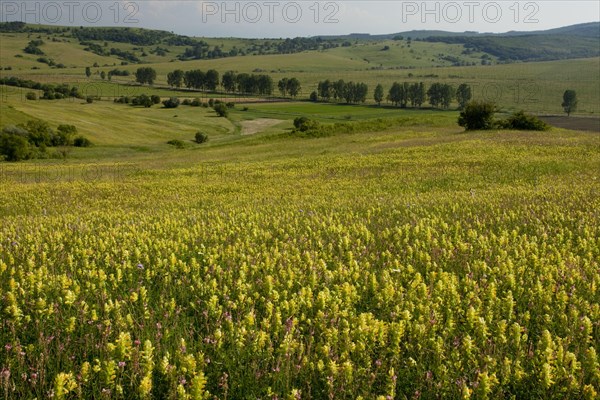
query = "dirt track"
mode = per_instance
[{"x": 591, "y": 124}]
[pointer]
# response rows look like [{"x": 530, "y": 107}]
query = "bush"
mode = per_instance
[
  {"x": 521, "y": 121},
  {"x": 221, "y": 110},
  {"x": 211, "y": 102},
  {"x": 31, "y": 96},
  {"x": 14, "y": 147},
  {"x": 38, "y": 133},
  {"x": 477, "y": 116},
  {"x": 196, "y": 103},
  {"x": 142, "y": 100},
  {"x": 230, "y": 105},
  {"x": 303, "y": 124},
  {"x": 186, "y": 102},
  {"x": 89, "y": 99},
  {"x": 123, "y": 100},
  {"x": 314, "y": 97},
  {"x": 201, "y": 137},
  {"x": 81, "y": 141},
  {"x": 173, "y": 102},
  {"x": 64, "y": 135},
  {"x": 177, "y": 143},
  {"x": 155, "y": 99}
]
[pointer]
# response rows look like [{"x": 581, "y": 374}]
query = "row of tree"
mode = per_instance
[
  {"x": 195, "y": 79},
  {"x": 439, "y": 95},
  {"x": 350, "y": 92},
  {"x": 231, "y": 82},
  {"x": 289, "y": 86}
]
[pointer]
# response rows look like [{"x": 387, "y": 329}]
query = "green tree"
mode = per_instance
[
  {"x": 195, "y": 79},
  {"x": 440, "y": 95},
  {"x": 39, "y": 132},
  {"x": 229, "y": 81},
  {"x": 88, "y": 72},
  {"x": 221, "y": 110},
  {"x": 477, "y": 116},
  {"x": 211, "y": 80},
  {"x": 103, "y": 75},
  {"x": 265, "y": 85},
  {"x": 463, "y": 95},
  {"x": 569, "y": 103},
  {"x": 175, "y": 78},
  {"x": 145, "y": 75},
  {"x": 324, "y": 90},
  {"x": 282, "y": 85},
  {"x": 378, "y": 95},
  {"x": 172, "y": 102},
  {"x": 14, "y": 147},
  {"x": 416, "y": 94},
  {"x": 293, "y": 87},
  {"x": 337, "y": 89}
]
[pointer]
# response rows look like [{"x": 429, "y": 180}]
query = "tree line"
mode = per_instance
[
  {"x": 350, "y": 92},
  {"x": 439, "y": 95},
  {"x": 231, "y": 82}
]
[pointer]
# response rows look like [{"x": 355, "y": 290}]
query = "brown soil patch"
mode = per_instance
[
  {"x": 258, "y": 125},
  {"x": 591, "y": 124}
]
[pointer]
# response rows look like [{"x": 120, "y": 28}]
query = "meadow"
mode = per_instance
[
  {"x": 419, "y": 262},
  {"x": 531, "y": 86},
  {"x": 408, "y": 259}
]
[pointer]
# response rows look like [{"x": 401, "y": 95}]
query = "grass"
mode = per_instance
[
  {"x": 413, "y": 261},
  {"x": 390, "y": 240},
  {"x": 533, "y": 86}
]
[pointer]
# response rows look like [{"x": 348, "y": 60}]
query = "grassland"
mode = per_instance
[
  {"x": 420, "y": 261},
  {"x": 532, "y": 86},
  {"x": 415, "y": 261}
]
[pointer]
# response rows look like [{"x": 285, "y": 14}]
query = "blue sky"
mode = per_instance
[{"x": 271, "y": 18}]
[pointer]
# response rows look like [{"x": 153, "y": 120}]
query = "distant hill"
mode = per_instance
[
  {"x": 589, "y": 29},
  {"x": 575, "y": 41}
]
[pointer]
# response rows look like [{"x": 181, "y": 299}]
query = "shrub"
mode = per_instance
[
  {"x": 14, "y": 147},
  {"x": 314, "y": 97},
  {"x": 89, "y": 99},
  {"x": 177, "y": 143},
  {"x": 230, "y": 105},
  {"x": 81, "y": 141},
  {"x": 155, "y": 99},
  {"x": 211, "y": 102},
  {"x": 142, "y": 100},
  {"x": 123, "y": 100},
  {"x": 186, "y": 102},
  {"x": 64, "y": 135},
  {"x": 303, "y": 124},
  {"x": 221, "y": 110},
  {"x": 173, "y": 102},
  {"x": 31, "y": 96},
  {"x": 196, "y": 103},
  {"x": 521, "y": 121},
  {"x": 38, "y": 133},
  {"x": 477, "y": 116},
  {"x": 201, "y": 137}
]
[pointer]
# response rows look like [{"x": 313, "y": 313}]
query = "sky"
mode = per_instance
[{"x": 274, "y": 19}]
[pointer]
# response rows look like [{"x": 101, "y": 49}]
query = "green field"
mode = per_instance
[
  {"x": 395, "y": 257},
  {"x": 532, "y": 86}
]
